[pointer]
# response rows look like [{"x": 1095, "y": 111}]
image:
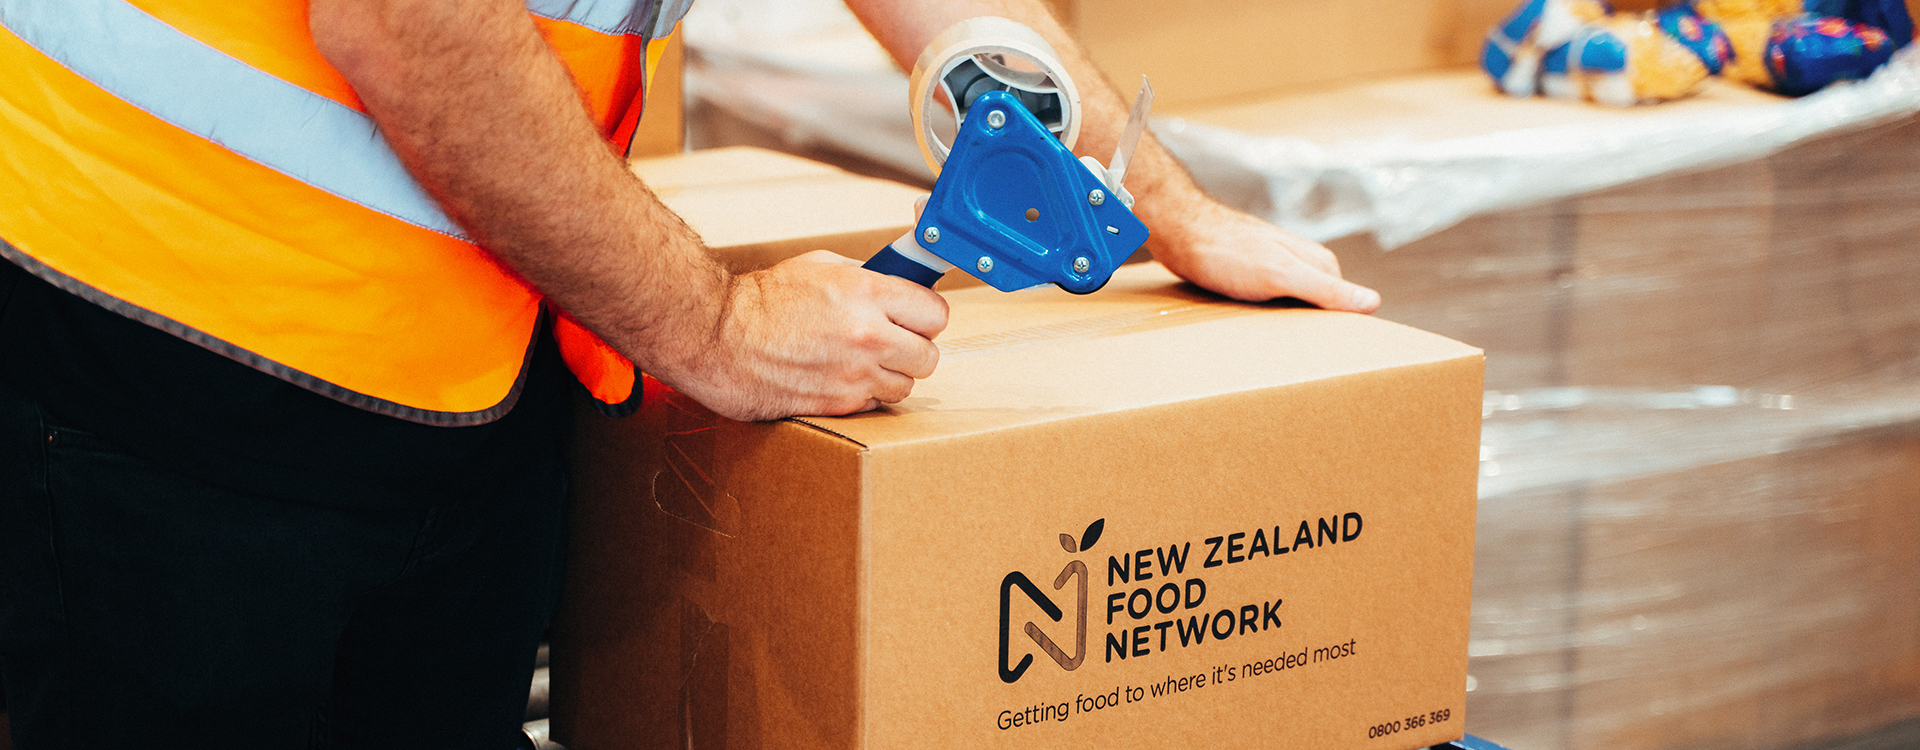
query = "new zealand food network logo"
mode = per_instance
[{"x": 1017, "y": 579}]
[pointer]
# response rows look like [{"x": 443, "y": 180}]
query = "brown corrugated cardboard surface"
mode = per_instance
[
  {"x": 756, "y": 207},
  {"x": 663, "y": 126},
  {"x": 835, "y": 582},
  {"x": 1198, "y": 51}
]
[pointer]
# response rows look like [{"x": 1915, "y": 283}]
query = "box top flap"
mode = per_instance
[
  {"x": 1010, "y": 360},
  {"x": 741, "y": 197}
]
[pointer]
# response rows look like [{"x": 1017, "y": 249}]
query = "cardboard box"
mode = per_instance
[
  {"x": 1197, "y": 51},
  {"x": 1300, "y": 483},
  {"x": 756, "y": 207}
]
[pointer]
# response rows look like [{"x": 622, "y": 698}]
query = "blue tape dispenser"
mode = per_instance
[{"x": 1012, "y": 205}]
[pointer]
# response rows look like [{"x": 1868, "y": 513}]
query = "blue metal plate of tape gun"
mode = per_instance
[
  {"x": 1013, "y": 205},
  {"x": 1469, "y": 742}
]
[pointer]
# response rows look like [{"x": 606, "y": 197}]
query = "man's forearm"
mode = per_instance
[{"x": 487, "y": 117}]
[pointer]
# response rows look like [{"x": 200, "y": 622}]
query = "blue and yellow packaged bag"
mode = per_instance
[
  {"x": 1889, "y": 16},
  {"x": 1620, "y": 62},
  {"x": 1705, "y": 38},
  {"x": 1514, "y": 48}
]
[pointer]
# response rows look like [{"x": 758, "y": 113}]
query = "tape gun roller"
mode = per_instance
[{"x": 1011, "y": 204}]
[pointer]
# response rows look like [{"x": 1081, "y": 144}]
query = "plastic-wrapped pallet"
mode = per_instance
[{"x": 1700, "y": 501}]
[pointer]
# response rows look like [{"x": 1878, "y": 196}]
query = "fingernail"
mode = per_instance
[{"x": 1365, "y": 300}]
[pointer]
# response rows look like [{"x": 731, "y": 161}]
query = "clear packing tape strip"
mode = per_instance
[{"x": 988, "y": 54}]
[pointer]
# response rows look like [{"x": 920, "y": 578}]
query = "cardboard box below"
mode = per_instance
[{"x": 1145, "y": 517}]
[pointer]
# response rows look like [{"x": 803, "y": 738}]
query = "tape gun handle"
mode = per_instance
[{"x": 906, "y": 259}]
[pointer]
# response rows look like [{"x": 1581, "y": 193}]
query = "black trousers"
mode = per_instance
[{"x": 140, "y": 608}]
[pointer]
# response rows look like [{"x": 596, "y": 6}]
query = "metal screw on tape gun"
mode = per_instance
[{"x": 1012, "y": 204}]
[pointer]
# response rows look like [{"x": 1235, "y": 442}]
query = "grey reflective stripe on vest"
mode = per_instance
[
  {"x": 652, "y": 19},
  {"x": 312, "y": 383},
  {"x": 203, "y": 91}
]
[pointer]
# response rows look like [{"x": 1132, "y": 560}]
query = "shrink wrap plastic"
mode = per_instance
[
  {"x": 1402, "y": 189},
  {"x": 1700, "y": 495},
  {"x": 1699, "y": 518}
]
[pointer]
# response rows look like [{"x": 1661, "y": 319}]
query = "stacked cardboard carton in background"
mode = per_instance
[
  {"x": 1025, "y": 553},
  {"x": 663, "y": 127}
]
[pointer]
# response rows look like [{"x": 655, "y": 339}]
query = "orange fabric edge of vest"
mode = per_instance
[
  {"x": 606, "y": 68},
  {"x": 607, "y": 375}
]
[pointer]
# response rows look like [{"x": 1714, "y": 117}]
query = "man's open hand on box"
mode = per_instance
[{"x": 1242, "y": 257}]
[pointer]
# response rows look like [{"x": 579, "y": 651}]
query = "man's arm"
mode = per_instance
[
  {"x": 487, "y": 118},
  {"x": 1195, "y": 236}
]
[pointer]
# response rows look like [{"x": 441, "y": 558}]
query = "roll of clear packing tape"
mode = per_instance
[{"x": 985, "y": 54}]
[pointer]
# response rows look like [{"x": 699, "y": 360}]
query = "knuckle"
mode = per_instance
[
  {"x": 896, "y": 393},
  {"x": 866, "y": 336},
  {"x": 1321, "y": 258},
  {"x": 943, "y": 315}
]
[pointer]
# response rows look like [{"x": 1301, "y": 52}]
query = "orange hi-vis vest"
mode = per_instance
[{"x": 200, "y": 167}]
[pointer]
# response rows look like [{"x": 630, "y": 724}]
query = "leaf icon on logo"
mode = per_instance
[
  {"x": 1091, "y": 535},
  {"x": 1066, "y": 543}
]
